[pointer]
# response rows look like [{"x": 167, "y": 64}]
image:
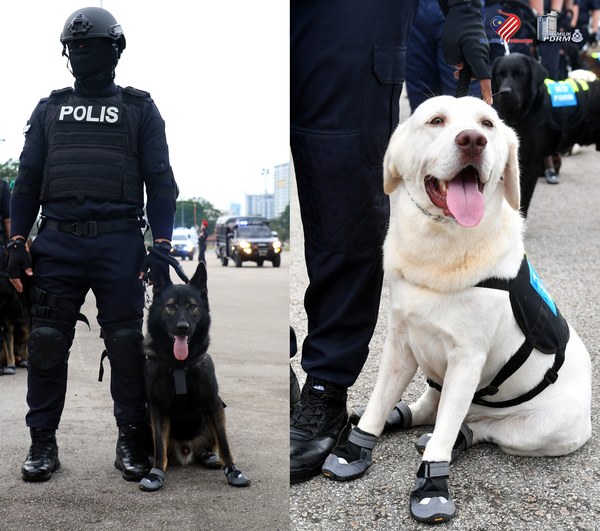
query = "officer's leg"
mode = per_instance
[
  {"x": 57, "y": 295},
  {"x": 422, "y": 74},
  {"x": 344, "y": 106},
  {"x": 120, "y": 297},
  {"x": 49, "y": 344}
]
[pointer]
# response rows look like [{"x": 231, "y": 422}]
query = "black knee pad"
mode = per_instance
[
  {"x": 124, "y": 348},
  {"x": 48, "y": 348}
]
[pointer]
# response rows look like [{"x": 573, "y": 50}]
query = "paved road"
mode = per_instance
[
  {"x": 249, "y": 346},
  {"x": 492, "y": 491}
]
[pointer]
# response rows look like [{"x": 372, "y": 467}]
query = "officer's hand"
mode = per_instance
[
  {"x": 464, "y": 38},
  {"x": 18, "y": 260},
  {"x": 152, "y": 264}
]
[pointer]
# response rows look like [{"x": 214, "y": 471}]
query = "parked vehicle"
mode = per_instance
[{"x": 184, "y": 244}]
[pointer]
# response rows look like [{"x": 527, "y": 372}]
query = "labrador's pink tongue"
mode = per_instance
[
  {"x": 180, "y": 348},
  {"x": 464, "y": 200}
]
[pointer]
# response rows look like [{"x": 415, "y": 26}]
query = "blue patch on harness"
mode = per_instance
[
  {"x": 537, "y": 285},
  {"x": 561, "y": 93}
]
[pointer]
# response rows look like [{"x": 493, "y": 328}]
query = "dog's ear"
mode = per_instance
[
  {"x": 199, "y": 280},
  {"x": 512, "y": 190},
  {"x": 391, "y": 173}
]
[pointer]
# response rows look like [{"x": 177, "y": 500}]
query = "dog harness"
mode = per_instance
[
  {"x": 541, "y": 322},
  {"x": 178, "y": 368},
  {"x": 566, "y": 107}
]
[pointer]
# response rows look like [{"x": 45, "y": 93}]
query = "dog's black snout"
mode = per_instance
[
  {"x": 183, "y": 327},
  {"x": 471, "y": 142}
]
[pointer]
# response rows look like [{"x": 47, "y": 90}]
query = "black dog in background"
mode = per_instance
[
  {"x": 186, "y": 412},
  {"x": 523, "y": 101},
  {"x": 15, "y": 324}
]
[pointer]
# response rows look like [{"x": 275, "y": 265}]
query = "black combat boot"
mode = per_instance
[
  {"x": 315, "y": 426},
  {"x": 132, "y": 458},
  {"x": 42, "y": 458}
]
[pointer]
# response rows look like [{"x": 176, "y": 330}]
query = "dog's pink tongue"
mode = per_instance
[
  {"x": 464, "y": 200},
  {"x": 180, "y": 348}
]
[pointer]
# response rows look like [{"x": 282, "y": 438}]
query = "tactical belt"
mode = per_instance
[{"x": 91, "y": 229}]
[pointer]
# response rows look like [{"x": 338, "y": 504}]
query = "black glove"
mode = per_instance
[
  {"x": 156, "y": 265},
  {"x": 464, "y": 39},
  {"x": 18, "y": 257}
]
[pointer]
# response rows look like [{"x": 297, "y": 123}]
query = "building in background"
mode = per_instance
[
  {"x": 271, "y": 205},
  {"x": 260, "y": 205},
  {"x": 281, "y": 187}
]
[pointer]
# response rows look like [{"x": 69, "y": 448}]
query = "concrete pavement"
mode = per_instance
[
  {"x": 492, "y": 491},
  {"x": 249, "y": 346}
]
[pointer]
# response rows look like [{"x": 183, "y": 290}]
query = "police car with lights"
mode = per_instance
[{"x": 246, "y": 239}]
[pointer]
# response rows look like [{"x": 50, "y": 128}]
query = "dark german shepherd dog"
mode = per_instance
[{"x": 186, "y": 412}]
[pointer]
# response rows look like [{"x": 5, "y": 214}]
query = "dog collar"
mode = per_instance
[{"x": 440, "y": 218}]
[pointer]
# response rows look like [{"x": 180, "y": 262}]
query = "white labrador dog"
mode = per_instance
[{"x": 452, "y": 174}]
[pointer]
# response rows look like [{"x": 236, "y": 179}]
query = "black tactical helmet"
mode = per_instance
[{"x": 92, "y": 22}]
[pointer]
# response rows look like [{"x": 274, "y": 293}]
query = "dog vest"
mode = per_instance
[
  {"x": 566, "y": 104},
  {"x": 541, "y": 322}
]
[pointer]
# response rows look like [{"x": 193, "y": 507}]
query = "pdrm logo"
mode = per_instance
[{"x": 505, "y": 26}]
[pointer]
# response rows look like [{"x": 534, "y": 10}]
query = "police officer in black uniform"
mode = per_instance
[{"x": 88, "y": 154}]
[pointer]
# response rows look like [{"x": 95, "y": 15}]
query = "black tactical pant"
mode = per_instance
[
  {"x": 347, "y": 69},
  {"x": 67, "y": 267}
]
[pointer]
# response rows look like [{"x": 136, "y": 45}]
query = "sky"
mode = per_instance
[{"x": 217, "y": 71}]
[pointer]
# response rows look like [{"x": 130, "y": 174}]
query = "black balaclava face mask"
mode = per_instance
[{"x": 93, "y": 68}]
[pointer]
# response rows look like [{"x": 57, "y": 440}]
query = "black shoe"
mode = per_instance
[
  {"x": 132, "y": 459},
  {"x": 315, "y": 426},
  {"x": 42, "y": 458}
]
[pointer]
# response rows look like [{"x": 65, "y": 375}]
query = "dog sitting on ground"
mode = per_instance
[
  {"x": 549, "y": 117},
  {"x": 186, "y": 412},
  {"x": 14, "y": 325},
  {"x": 467, "y": 309}
]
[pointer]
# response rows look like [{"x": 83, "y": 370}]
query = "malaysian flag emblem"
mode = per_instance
[{"x": 506, "y": 27}]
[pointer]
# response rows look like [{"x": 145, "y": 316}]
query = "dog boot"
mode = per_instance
[
  {"x": 400, "y": 417},
  {"x": 430, "y": 501},
  {"x": 351, "y": 459},
  {"x": 209, "y": 459},
  {"x": 153, "y": 481},
  {"x": 551, "y": 176},
  {"x": 131, "y": 458},
  {"x": 236, "y": 477},
  {"x": 42, "y": 458},
  {"x": 464, "y": 440}
]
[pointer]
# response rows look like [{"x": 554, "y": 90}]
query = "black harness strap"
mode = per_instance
[
  {"x": 533, "y": 336},
  {"x": 48, "y": 306},
  {"x": 178, "y": 368}
]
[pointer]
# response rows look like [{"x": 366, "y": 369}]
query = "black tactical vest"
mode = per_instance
[{"x": 93, "y": 147}]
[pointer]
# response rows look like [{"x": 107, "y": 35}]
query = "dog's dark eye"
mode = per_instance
[
  {"x": 437, "y": 120},
  {"x": 192, "y": 308},
  {"x": 170, "y": 308},
  {"x": 487, "y": 123}
]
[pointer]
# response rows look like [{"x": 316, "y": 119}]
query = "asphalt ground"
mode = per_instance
[
  {"x": 249, "y": 346},
  {"x": 492, "y": 490}
]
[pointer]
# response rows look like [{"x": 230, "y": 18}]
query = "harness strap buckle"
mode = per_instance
[{"x": 551, "y": 376}]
